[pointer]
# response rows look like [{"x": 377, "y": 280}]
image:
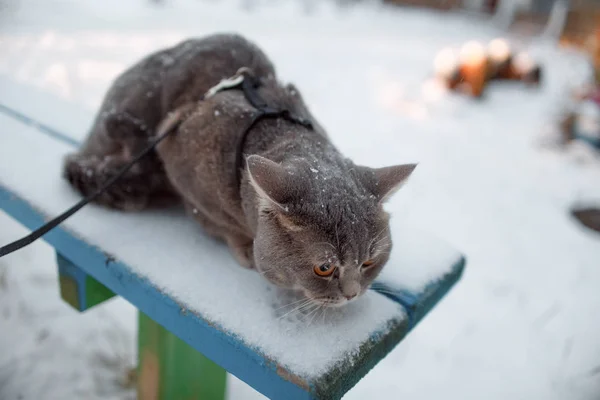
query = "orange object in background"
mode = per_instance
[
  {"x": 473, "y": 68},
  {"x": 500, "y": 57}
]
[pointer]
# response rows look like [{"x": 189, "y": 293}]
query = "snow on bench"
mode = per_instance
[{"x": 163, "y": 263}]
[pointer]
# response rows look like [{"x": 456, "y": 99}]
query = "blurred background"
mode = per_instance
[{"x": 496, "y": 99}]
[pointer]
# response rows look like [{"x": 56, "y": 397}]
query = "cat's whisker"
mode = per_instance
[
  {"x": 314, "y": 314},
  {"x": 380, "y": 249},
  {"x": 310, "y": 310},
  {"x": 378, "y": 241},
  {"x": 344, "y": 247},
  {"x": 376, "y": 237},
  {"x": 315, "y": 317},
  {"x": 290, "y": 312},
  {"x": 380, "y": 232},
  {"x": 298, "y": 308},
  {"x": 383, "y": 253},
  {"x": 381, "y": 244},
  {"x": 293, "y": 302},
  {"x": 323, "y": 308},
  {"x": 327, "y": 243},
  {"x": 265, "y": 271}
]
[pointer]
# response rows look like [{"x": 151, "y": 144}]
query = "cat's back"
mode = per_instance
[
  {"x": 200, "y": 63},
  {"x": 168, "y": 78}
]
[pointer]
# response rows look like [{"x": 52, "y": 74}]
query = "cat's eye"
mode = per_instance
[
  {"x": 368, "y": 263},
  {"x": 324, "y": 269}
]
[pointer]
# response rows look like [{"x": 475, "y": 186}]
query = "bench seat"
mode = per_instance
[{"x": 190, "y": 284}]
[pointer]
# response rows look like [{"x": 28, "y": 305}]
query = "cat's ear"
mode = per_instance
[
  {"x": 384, "y": 182},
  {"x": 272, "y": 181}
]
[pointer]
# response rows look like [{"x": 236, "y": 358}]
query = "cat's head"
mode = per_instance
[{"x": 323, "y": 233}]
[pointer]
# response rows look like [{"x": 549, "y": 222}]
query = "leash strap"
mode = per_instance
[
  {"x": 242, "y": 79},
  {"x": 168, "y": 125}
]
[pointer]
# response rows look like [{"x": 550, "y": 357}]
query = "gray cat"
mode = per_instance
[{"x": 303, "y": 215}]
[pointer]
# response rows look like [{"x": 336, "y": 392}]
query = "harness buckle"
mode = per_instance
[{"x": 229, "y": 83}]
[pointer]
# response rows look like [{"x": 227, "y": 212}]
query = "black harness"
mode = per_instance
[
  {"x": 250, "y": 86},
  {"x": 244, "y": 80}
]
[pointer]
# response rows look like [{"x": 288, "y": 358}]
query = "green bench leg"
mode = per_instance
[
  {"x": 77, "y": 288},
  {"x": 171, "y": 369}
]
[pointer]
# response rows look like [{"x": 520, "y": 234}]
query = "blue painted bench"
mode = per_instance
[{"x": 200, "y": 313}]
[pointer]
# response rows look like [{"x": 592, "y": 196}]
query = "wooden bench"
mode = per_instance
[{"x": 200, "y": 314}]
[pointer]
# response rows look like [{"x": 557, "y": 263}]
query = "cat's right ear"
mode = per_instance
[
  {"x": 272, "y": 181},
  {"x": 384, "y": 182}
]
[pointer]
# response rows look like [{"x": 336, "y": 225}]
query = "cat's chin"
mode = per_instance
[
  {"x": 331, "y": 303},
  {"x": 321, "y": 301}
]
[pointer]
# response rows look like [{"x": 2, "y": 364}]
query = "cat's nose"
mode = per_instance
[{"x": 350, "y": 290}]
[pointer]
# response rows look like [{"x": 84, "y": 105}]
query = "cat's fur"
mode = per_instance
[{"x": 300, "y": 203}]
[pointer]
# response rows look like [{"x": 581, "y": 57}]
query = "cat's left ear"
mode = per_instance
[
  {"x": 274, "y": 183},
  {"x": 384, "y": 182}
]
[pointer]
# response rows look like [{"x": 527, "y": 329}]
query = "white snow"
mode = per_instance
[
  {"x": 522, "y": 322},
  {"x": 417, "y": 258}
]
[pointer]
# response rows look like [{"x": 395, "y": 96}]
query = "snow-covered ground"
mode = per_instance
[{"x": 524, "y": 321}]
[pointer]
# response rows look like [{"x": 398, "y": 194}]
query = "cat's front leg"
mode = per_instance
[
  {"x": 243, "y": 250},
  {"x": 241, "y": 246}
]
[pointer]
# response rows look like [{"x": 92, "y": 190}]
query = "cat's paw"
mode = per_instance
[
  {"x": 243, "y": 251},
  {"x": 123, "y": 126},
  {"x": 88, "y": 174}
]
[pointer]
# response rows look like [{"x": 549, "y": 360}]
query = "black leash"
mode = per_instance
[
  {"x": 33, "y": 236},
  {"x": 244, "y": 80}
]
